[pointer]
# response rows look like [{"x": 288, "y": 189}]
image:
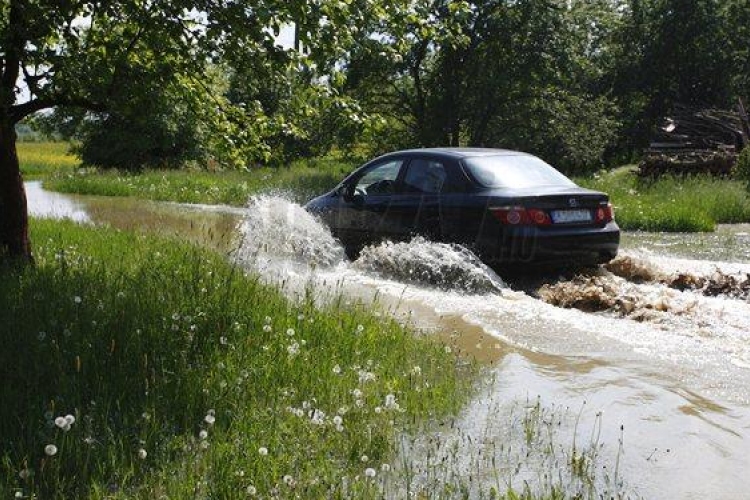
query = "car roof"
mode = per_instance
[{"x": 457, "y": 153}]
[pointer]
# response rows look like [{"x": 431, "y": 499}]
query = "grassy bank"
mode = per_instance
[
  {"x": 135, "y": 367},
  {"x": 43, "y": 159},
  {"x": 671, "y": 203},
  {"x": 300, "y": 181}
]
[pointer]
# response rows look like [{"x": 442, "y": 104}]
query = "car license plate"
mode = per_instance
[{"x": 563, "y": 216}]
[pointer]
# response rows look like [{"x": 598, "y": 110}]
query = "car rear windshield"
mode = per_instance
[{"x": 514, "y": 171}]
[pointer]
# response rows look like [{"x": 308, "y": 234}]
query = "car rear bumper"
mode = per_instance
[{"x": 574, "y": 245}]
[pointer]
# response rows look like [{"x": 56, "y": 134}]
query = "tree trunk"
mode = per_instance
[{"x": 14, "y": 218}]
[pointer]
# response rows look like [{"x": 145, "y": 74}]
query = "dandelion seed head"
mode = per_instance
[
  {"x": 60, "y": 422},
  {"x": 357, "y": 393},
  {"x": 290, "y": 332},
  {"x": 251, "y": 490},
  {"x": 70, "y": 419},
  {"x": 364, "y": 459},
  {"x": 209, "y": 419},
  {"x": 289, "y": 480},
  {"x": 337, "y": 369},
  {"x": 448, "y": 349},
  {"x": 50, "y": 450},
  {"x": 385, "y": 467},
  {"x": 77, "y": 299},
  {"x": 268, "y": 320},
  {"x": 370, "y": 472},
  {"x": 293, "y": 349},
  {"x": 378, "y": 410},
  {"x": 142, "y": 454},
  {"x": 203, "y": 434},
  {"x": 360, "y": 328},
  {"x": 263, "y": 451},
  {"x": 337, "y": 420},
  {"x": 416, "y": 370},
  {"x": 267, "y": 328},
  {"x": 204, "y": 445}
]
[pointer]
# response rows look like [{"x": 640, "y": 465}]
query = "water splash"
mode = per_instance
[
  {"x": 276, "y": 227},
  {"x": 424, "y": 262}
]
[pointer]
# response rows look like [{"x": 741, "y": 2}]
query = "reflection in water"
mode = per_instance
[
  {"x": 45, "y": 204},
  {"x": 674, "y": 387}
]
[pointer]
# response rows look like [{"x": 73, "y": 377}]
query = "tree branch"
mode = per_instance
[
  {"x": 21, "y": 111},
  {"x": 14, "y": 49}
]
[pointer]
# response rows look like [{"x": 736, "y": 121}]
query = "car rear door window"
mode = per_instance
[
  {"x": 380, "y": 179},
  {"x": 425, "y": 176}
]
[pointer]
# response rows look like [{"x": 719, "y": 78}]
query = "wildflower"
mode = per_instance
[
  {"x": 50, "y": 450},
  {"x": 289, "y": 481},
  {"x": 318, "y": 417},
  {"x": 378, "y": 410},
  {"x": 142, "y": 454},
  {"x": 263, "y": 451},
  {"x": 204, "y": 445},
  {"x": 390, "y": 402},
  {"x": 360, "y": 328},
  {"x": 337, "y": 420},
  {"x": 209, "y": 419},
  {"x": 448, "y": 349},
  {"x": 203, "y": 434},
  {"x": 357, "y": 393},
  {"x": 364, "y": 459},
  {"x": 77, "y": 299},
  {"x": 290, "y": 332},
  {"x": 365, "y": 376},
  {"x": 268, "y": 320},
  {"x": 416, "y": 370},
  {"x": 385, "y": 467},
  {"x": 300, "y": 317},
  {"x": 359, "y": 403},
  {"x": 251, "y": 490},
  {"x": 293, "y": 349},
  {"x": 370, "y": 472},
  {"x": 223, "y": 340},
  {"x": 267, "y": 328},
  {"x": 70, "y": 419},
  {"x": 337, "y": 369}
]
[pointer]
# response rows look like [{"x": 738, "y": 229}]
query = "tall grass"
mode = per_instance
[
  {"x": 135, "y": 367},
  {"x": 300, "y": 181},
  {"x": 672, "y": 203},
  {"x": 41, "y": 159}
]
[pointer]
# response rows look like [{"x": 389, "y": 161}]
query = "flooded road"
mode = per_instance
[{"x": 644, "y": 367}]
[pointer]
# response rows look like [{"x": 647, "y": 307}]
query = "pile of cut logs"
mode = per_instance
[{"x": 692, "y": 141}]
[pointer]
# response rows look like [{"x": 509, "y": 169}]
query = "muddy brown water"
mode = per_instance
[{"x": 656, "y": 379}]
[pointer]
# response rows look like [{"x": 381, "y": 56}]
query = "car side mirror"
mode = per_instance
[{"x": 347, "y": 192}]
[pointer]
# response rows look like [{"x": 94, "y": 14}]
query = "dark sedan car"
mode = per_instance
[{"x": 508, "y": 207}]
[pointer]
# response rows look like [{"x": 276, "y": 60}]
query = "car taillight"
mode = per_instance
[
  {"x": 605, "y": 213},
  {"x": 520, "y": 216}
]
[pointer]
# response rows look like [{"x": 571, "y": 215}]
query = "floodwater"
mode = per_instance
[{"x": 643, "y": 367}]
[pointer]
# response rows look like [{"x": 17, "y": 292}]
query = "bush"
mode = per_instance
[{"x": 741, "y": 169}]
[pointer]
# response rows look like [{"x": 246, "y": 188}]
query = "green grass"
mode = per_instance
[
  {"x": 148, "y": 343},
  {"x": 671, "y": 203},
  {"x": 42, "y": 159},
  {"x": 300, "y": 181}
]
